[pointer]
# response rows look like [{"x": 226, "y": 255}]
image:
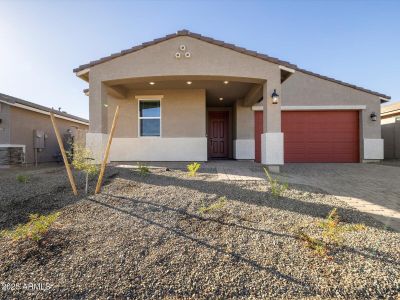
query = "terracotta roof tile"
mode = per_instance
[{"x": 185, "y": 32}]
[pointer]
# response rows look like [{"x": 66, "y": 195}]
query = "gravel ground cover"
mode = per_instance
[{"x": 143, "y": 237}]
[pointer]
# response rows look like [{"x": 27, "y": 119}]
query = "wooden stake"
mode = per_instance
[
  {"x": 64, "y": 155},
  {"x": 103, "y": 165}
]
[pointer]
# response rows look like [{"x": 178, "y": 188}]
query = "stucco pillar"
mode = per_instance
[
  {"x": 272, "y": 137},
  {"x": 96, "y": 138}
]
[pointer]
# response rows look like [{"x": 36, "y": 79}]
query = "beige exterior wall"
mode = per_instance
[
  {"x": 159, "y": 60},
  {"x": 304, "y": 89},
  {"x": 183, "y": 113},
  {"x": 179, "y": 119},
  {"x": 25, "y": 121},
  {"x": 389, "y": 120},
  {"x": 244, "y": 121}
]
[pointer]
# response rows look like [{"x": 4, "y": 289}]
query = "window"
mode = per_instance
[{"x": 149, "y": 118}]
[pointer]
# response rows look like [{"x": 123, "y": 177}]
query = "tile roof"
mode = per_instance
[
  {"x": 13, "y": 100},
  {"x": 225, "y": 45}
]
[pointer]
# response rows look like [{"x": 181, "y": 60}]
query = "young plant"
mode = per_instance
[
  {"x": 22, "y": 178},
  {"x": 332, "y": 230},
  {"x": 143, "y": 169},
  {"x": 34, "y": 230},
  {"x": 277, "y": 188},
  {"x": 193, "y": 168},
  {"x": 221, "y": 202},
  {"x": 317, "y": 245},
  {"x": 82, "y": 161}
]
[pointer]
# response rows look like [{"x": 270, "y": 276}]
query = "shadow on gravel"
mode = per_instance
[
  {"x": 15, "y": 209},
  {"x": 237, "y": 193},
  {"x": 272, "y": 270},
  {"x": 366, "y": 252},
  {"x": 200, "y": 218}
]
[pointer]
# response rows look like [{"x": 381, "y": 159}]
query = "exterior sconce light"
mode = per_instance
[
  {"x": 373, "y": 116},
  {"x": 275, "y": 97}
]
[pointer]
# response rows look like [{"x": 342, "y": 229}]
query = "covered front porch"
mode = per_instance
[{"x": 188, "y": 118}]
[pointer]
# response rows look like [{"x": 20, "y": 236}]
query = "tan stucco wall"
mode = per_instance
[
  {"x": 389, "y": 120},
  {"x": 159, "y": 60},
  {"x": 183, "y": 113},
  {"x": 244, "y": 121},
  {"x": 213, "y": 61},
  {"x": 25, "y": 121},
  {"x": 304, "y": 89}
]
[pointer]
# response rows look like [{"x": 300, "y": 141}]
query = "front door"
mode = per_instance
[{"x": 218, "y": 134}]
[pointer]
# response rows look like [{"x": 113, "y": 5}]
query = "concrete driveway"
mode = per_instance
[{"x": 370, "y": 188}]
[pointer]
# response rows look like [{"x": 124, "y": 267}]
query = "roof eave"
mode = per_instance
[{"x": 383, "y": 98}]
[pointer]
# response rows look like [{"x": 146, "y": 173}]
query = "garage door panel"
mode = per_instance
[{"x": 321, "y": 136}]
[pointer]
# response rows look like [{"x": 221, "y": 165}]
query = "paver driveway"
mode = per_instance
[{"x": 371, "y": 188}]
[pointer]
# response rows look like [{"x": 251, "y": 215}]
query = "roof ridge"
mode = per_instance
[
  {"x": 185, "y": 32},
  {"x": 12, "y": 100}
]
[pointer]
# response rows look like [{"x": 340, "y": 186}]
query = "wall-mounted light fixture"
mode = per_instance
[
  {"x": 275, "y": 97},
  {"x": 373, "y": 116}
]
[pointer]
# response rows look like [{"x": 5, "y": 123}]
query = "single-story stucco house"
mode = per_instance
[
  {"x": 187, "y": 97},
  {"x": 390, "y": 121},
  {"x": 27, "y": 134}
]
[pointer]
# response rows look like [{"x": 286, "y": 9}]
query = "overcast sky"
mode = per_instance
[{"x": 42, "y": 41}]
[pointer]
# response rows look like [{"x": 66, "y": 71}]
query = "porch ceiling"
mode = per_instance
[{"x": 215, "y": 89}]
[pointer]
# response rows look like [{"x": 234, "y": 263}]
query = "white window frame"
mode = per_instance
[{"x": 151, "y": 99}]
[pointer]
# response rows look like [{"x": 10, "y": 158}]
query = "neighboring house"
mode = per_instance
[
  {"x": 26, "y": 131},
  {"x": 390, "y": 121},
  {"x": 186, "y": 97}
]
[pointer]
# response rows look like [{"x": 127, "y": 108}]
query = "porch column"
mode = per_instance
[
  {"x": 96, "y": 138},
  {"x": 272, "y": 137}
]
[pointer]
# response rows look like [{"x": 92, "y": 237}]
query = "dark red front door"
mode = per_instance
[
  {"x": 218, "y": 134},
  {"x": 258, "y": 125}
]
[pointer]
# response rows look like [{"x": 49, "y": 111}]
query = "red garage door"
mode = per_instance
[{"x": 321, "y": 136}]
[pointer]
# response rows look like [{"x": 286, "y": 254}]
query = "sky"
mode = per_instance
[{"x": 41, "y": 42}]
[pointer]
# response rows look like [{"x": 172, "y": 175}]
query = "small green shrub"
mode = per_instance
[
  {"x": 317, "y": 245},
  {"x": 332, "y": 230},
  {"x": 143, "y": 169},
  {"x": 193, "y": 168},
  {"x": 33, "y": 230},
  {"x": 82, "y": 161},
  {"x": 331, "y": 235},
  {"x": 277, "y": 188},
  {"x": 22, "y": 178},
  {"x": 221, "y": 202}
]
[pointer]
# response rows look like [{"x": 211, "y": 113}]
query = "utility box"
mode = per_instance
[{"x": 38, "y": 139}]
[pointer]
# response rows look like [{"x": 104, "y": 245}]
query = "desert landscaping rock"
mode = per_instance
[{"x": 143, "y": 237}]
